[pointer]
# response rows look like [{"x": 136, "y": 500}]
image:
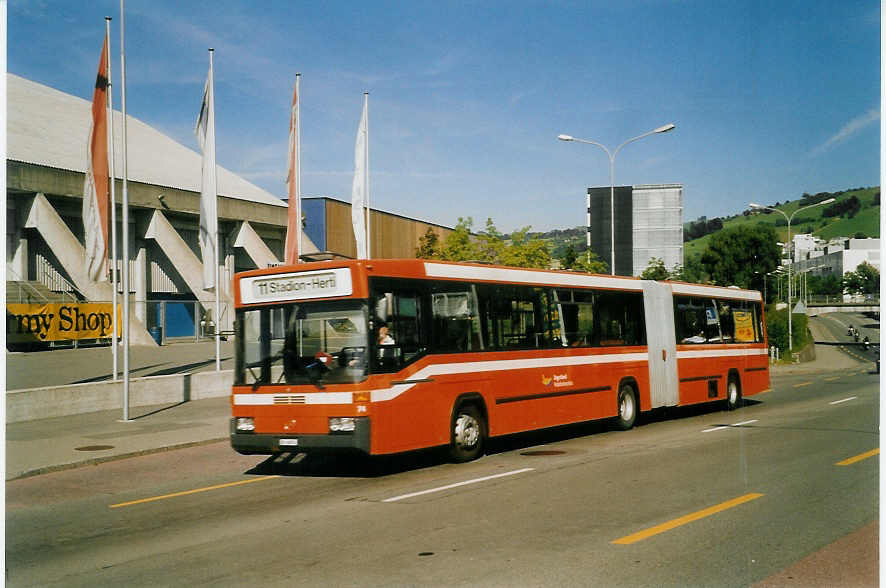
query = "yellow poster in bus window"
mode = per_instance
[
  {"x": 744, "y": 326},
  {"x": 59, "y": 322}
]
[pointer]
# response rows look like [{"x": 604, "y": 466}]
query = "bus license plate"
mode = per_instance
[{"x": 289, "y": 442}]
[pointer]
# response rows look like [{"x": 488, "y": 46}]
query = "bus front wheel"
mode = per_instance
[
  {"x": 627, "y": 407},
  {"x": 733, "y": 394},
  {"x": 468, "y": 434}
]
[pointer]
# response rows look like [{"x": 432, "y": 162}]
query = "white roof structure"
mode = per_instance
[{"x": 50, "y": 128}]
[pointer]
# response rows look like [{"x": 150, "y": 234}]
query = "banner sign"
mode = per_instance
[{"x": 59, "y": 322}]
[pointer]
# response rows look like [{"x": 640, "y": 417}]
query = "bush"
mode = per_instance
[{"x": 777, "y": 329}]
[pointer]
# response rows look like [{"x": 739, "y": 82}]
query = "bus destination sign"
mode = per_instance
[{"x": 296, "y": 286}]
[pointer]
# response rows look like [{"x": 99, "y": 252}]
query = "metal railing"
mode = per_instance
[{"x": 64, "y": 290}]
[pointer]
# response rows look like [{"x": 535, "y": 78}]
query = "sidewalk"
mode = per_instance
[
  {"x": 46, "y": 445},
  {"x": 60, "y": 367}
]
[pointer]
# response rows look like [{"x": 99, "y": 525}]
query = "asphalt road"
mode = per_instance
[
  {"x": 694, "y": 498},
  {"x": 836, "y": 325}
]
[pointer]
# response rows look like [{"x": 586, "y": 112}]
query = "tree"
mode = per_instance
[
  {"x": 864, "y": 280},
  {"x": 525, "y": 251},
  {"x": 741, "y": 256},
  {"x": 488, "y": 246},
  {"x": 691, "y": 271},
  {"x": 587, "y": 261},
  {"x": 428, "y": 245},
  {"x": 828, "y": 284},
  {"x": 458, "y": 245},
  {"x": 569, "y": 257},
  {"x": 656, "y": 270}
]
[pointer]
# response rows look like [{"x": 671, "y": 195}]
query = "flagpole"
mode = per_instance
[
  {"x": 114, "y": 320},
  {"x": 125, "y": 256},
  {"x": 366, "y": 186},
  {"x": 217, "y": 242},
  {"x": 298, "y": 231}
]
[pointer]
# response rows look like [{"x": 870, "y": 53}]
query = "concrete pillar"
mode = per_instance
[
  {"x": 246, "y": 237},
  {"x": 17, "y": 245},
  {"x": 139, "y": 279},
  {"x": 185, "y": 262}
]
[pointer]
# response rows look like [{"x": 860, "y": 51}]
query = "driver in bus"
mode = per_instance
[{"x": 384, "y": 337}]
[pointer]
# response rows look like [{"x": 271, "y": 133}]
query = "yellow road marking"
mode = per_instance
[
  {"x": 195, "y": 491},
  {"x": 832, "y": 379},
  {"x": 860, "y": 457},
  {"x": 639, "y": 536},
  {"x": 801, "y": 384}
]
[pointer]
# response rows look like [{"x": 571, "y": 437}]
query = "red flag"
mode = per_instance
[
  {"x": 96, "y": 201},
  {"x": 293, "y": 227}
]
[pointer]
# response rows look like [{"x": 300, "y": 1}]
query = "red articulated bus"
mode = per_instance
[{"x": 391, "y": 355}]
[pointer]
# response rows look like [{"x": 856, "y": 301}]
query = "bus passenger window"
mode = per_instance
[
  {"x": 689, "y": 320},
  {"x": 727, "y": 322},
  {"x": 514, "y": 317},
  {"x": 611, "y": 313},
  {"x": 456, "y": 324},
  {"x": 711, "y": 322}
]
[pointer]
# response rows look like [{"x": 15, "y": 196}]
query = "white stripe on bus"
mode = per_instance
[
  {"x": 699, "y": 353},
  {"x": 500, "y": 274},
  {"x": 448, "y": 369}
]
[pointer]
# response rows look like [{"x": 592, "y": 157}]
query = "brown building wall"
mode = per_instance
[{"x": 392, "y": 236}]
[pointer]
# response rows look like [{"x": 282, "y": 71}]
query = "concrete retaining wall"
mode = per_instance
[{"x": 56, "y": 401}]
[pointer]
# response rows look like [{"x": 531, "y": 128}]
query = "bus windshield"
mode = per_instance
[{"x": 306, "y": 343}]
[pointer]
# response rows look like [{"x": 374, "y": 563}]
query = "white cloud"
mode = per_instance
[{"x": 851, "y": 128}]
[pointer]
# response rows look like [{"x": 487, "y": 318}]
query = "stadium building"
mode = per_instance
[{"x": 47, "y": 133}]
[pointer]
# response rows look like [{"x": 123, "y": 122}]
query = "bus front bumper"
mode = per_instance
[{"x": 268, "y": 444}]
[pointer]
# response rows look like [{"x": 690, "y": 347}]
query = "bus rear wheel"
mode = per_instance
[
  {"x": 468, "y": 434},
  {"x": 627, "y": 407}
]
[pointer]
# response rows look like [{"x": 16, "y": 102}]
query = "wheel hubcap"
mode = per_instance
[
  {"x": 627, "y": 407},
  {"x": 733, "y": 393},
  {"x": 467, "y": 431}
]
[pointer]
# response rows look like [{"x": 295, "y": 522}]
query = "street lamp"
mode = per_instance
[
  {"x": 790, "y": 250},
  {"x": 612, "y": 154}
]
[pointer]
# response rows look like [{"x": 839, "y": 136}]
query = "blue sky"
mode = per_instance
[{"x": 770, "y": 99}]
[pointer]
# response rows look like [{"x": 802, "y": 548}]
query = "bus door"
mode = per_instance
[{"x": 659, "y": 310}]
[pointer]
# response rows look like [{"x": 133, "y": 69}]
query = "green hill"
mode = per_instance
[{"x": 864, "y": 220}]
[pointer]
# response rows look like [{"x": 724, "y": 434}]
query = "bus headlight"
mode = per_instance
[
  {"x": 341, "y": 424},
  {"x": 245, "y": 424}
]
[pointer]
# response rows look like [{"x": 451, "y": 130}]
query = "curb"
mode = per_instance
[{"x": 99, "y": 460}]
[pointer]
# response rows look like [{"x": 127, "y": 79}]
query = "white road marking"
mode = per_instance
[
  {"x": 457, "y": 484},
  {"x": 844, "y": 400},
  {"x": 720, "y": 428}
]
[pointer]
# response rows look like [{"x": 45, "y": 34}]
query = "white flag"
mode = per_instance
[
  {"x": 361, "y": 182},
  {"x": 205, "y": 131}
]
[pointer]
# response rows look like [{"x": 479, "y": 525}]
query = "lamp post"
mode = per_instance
[
  {"x": 612, "y": 154},
  {"x": 790, "y": 250}
]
